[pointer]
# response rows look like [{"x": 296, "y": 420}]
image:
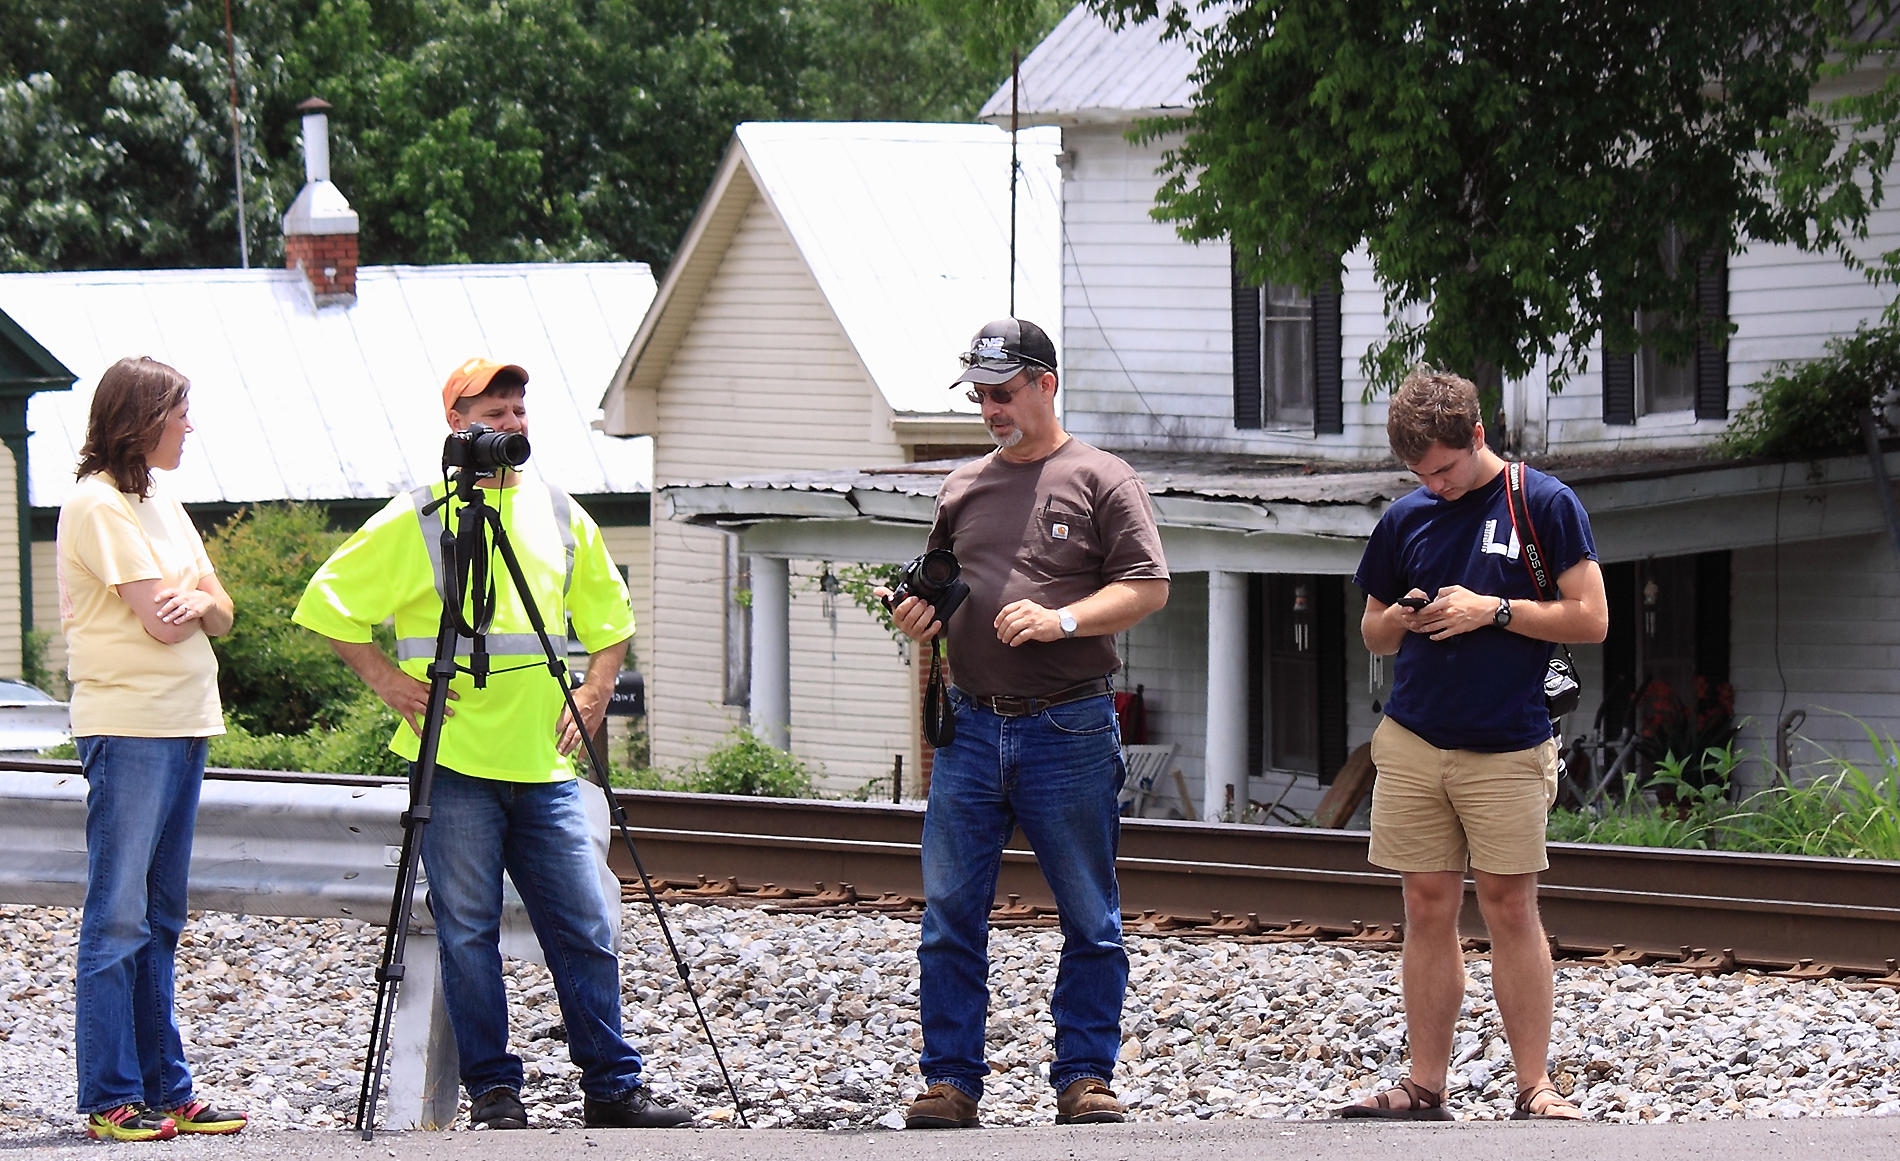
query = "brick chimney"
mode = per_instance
[{"x": 320, "y": 229}]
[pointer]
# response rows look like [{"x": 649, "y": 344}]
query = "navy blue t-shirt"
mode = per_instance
[{"x": 1482, "y": 690}]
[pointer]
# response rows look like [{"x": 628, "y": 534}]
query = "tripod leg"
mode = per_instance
[{"x": 557, "y": 667}]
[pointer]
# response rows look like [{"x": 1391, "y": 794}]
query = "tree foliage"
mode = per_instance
[
  {"x": 462, "y": 131},
  {"x": 1517, "y": 169},
  {"x": 1813, "y": 409},
  {"x": 274, "y": 677}
]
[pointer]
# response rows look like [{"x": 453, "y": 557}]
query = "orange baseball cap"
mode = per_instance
[{"x": 472, "y": 378}]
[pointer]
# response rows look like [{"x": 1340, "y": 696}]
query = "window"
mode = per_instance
[
  {"x": 1286, "y": 358},
  {"x": 1646, "y": 383}
]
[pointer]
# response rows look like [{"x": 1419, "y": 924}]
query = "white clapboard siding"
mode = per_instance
[
  {"x": 1166, "y": 654},
  {"x": 851, "y": 687},
  {"x": 764, "y": 380},
  {"x": 632, "y": 549},
  {"x": 1148, "y": 322},
  {"x": 1816, "y": 627}
]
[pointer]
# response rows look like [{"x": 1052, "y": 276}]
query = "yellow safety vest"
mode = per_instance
[{"x": 391, "y": 569}]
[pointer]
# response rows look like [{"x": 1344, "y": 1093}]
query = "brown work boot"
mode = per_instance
[
  {"x": 942, "y": 1106},
  {"x": 1088, "y": 1101}
]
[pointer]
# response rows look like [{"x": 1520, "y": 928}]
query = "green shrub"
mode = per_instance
[
  {"x": 745, "y": 764},
  {"x": 358, "y": 744},
  {"x": 274, "y": 677},
  {"x": 1813, "y": 409}
]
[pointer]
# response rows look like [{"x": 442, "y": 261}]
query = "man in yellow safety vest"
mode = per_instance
[{"x": 504, "y": 795}]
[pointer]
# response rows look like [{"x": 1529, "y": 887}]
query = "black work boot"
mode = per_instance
[
  {"x": 637, "y": 1108},
  {"x": 498, "y": 1108}
]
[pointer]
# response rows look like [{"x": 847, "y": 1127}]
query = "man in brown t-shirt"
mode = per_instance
[{"x": 1058, "y": 544}]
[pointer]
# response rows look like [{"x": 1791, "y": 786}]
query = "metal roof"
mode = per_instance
[
  {"x": 292, "y": 401},
  {"x": 906, "y": 228},
  {"x": 1086, "y": 72}
]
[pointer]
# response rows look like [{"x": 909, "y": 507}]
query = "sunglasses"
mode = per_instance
[{"x": 1002, "y": 395}]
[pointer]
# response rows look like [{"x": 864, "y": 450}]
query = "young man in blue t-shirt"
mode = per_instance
[{"x": 1467, "y": 766}]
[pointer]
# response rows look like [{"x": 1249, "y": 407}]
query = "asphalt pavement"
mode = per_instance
[{"x": 1833, "y": 1139}]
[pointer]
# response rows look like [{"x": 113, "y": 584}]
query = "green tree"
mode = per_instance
[
  {"x": 464, "y": 130},
  {"x": 274, "y": 677},
  {"x": 1516, "y": 168}
]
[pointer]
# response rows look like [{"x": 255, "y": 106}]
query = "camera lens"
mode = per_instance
[
  {"x": 938, "y": 568},
  {"x": 502, "y": 447}
]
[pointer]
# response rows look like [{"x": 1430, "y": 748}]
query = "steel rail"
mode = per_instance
[{"x": 1710, "y": 907}]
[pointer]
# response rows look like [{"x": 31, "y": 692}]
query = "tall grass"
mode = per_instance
[{"x": 1844, "y": 809}]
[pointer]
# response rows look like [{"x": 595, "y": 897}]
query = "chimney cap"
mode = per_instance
[{"x": 314, "y": 105}]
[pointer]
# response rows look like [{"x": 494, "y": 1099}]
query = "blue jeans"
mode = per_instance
[
  {"x": 538, "y": 832},
  {"x": 141, "y": 806},
  {"x": 1057, "y": 774}
]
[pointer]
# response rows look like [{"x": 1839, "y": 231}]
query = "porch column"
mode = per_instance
[
  {"x": 771, "y": 691},
  {"x": 1226, "y": 694}
]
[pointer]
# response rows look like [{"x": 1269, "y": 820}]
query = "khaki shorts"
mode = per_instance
[{"x": 1436, "y": 810}]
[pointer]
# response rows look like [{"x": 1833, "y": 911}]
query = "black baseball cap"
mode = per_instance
[{"x": 1003, "y": 348}]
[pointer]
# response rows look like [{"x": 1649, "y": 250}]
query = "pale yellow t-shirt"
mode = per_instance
[{"x": 126, "y": 682}]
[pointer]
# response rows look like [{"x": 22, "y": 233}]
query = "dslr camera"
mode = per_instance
[
  {"x": 934, "y": 578},
  {"x": 483, "y": 450}
]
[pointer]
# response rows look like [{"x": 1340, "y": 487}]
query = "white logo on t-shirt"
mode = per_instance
[{"x": 1491, "y": 543}]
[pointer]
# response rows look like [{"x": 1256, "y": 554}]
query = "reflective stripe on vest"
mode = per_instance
[{"x": 429, "y": 522}]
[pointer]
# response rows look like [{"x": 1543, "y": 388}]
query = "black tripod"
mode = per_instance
[{"x": 465, "y": 571}]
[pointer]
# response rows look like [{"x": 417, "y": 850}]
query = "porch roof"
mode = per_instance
[{"x": 1262, "y": 514}]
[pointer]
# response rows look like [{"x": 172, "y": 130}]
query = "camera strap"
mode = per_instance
[{"x": 940, "y": 717}]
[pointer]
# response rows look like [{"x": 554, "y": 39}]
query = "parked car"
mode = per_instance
[{"x": 31, "y": 719}]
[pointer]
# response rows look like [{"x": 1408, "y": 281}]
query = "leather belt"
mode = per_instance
[{"x": 1010, "y": 706}]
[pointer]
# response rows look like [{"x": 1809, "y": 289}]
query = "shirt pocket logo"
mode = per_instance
[{"x": 1059, "y": 530}]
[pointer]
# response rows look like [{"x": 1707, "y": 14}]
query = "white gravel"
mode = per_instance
[{"x": 817, "y": 1018}]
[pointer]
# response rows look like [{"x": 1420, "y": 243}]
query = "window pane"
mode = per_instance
[
  {"x": 1286, "y": 356},
  {"x": 1660, "y": 385}
]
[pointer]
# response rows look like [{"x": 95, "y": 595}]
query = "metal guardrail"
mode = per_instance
[{"x": 264, "y": 845}]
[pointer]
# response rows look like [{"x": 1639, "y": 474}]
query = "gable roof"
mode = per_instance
[
  {"x": 25, "y": 365},
  {"x": 292, "y": 401},
  {"x": 905, "y": 228},
  {"x": 1085, "y": 72}
]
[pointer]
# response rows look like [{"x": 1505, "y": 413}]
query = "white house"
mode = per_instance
[
  {"x": 811, "y": 319},
  {"x": 1243, "y": 407}
]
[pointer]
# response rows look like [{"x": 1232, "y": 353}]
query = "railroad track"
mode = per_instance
[
  {"x": 1675, "y": 910},
  {"x": 1679, "y": 910}
]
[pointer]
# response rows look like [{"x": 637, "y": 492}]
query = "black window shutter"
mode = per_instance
[
  {"x": 1329, "y": 410},
  {"x": 1619, "y": 388},
  {"x": 1711, "y": 355},
  {"x": 1329, "y": 629},
  {"x": 1246, "y": 349}
]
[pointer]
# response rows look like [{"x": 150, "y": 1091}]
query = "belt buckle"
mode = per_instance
[{"x": 1011, "y": 706}]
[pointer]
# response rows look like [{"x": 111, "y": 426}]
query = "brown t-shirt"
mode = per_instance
[{"x": 1053, "y": 532}]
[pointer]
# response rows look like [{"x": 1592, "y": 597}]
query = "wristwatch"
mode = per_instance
[
  {"x": 1502, "y": 618},
  {"x": 1067, "y": 620}
]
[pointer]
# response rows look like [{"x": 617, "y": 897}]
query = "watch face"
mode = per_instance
[{"x": 1502, "y": 617}]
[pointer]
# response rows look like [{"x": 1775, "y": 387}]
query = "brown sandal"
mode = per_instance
[
  {"x": 1527, "y": 1109},
  {"x": 1420, "y": 1104}
]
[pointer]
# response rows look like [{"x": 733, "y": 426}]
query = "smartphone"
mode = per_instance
[{"x": 1414, "y": 603}]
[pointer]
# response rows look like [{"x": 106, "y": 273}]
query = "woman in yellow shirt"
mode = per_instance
[{"x": 139, "y": 603}]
